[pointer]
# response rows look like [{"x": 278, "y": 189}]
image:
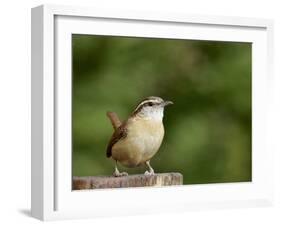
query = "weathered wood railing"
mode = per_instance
[{"x": 138, "y": 180}]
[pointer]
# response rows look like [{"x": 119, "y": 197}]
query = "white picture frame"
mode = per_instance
[{"x": 52, "y": 197}]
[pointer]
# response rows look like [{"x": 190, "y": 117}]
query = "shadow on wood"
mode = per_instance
[{"x": 138, "y": 180}]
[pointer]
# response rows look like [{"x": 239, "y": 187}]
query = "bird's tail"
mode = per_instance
[{"x": 114, "y": 119}]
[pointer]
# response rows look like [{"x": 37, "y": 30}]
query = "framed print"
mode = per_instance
[{"x": 152, "y": 112}]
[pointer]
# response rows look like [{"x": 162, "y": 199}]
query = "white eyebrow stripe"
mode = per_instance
[{"x": 146, "y": 101}]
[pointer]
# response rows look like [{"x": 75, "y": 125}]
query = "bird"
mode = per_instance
[{"x": 136, "y": 140}]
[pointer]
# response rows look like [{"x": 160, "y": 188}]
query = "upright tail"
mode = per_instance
[{"x": 114, "y": 119}]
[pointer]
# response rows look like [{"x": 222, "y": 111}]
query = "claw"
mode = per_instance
[
  {"x": 149, "y": 173},
  {"x": 118, "y": 174}
]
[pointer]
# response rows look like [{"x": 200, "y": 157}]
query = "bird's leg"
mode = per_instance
[
  {"x": 117, "y": 173},
  {"x": 151, "y": 171}
]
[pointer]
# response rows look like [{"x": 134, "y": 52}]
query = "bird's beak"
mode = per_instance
[{"x": 167, "y": 102}]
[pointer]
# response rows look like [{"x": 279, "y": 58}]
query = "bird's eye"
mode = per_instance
[{"x": 150, "y": 104}]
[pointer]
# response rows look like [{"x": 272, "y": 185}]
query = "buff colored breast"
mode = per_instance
[{"x": 143, "y": 140}]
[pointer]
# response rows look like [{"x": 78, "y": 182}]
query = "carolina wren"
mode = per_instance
[{"x": 136, "y": 140}]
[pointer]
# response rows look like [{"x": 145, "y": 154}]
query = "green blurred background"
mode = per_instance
[{"x": 207, "y": 130}]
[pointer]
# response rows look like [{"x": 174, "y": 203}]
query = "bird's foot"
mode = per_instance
[
  {"x": 149, "y": 172},
  {"x": 150, "y": 169},
  {"x": 118, "y": 174}
]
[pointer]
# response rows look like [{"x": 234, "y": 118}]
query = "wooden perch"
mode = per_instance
[{"x": 138, "y": 180}]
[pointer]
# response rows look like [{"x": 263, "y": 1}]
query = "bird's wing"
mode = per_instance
[{"x": 119, "y": 133}]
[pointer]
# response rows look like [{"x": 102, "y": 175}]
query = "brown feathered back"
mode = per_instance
[{"x": 119, "y": 131}]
